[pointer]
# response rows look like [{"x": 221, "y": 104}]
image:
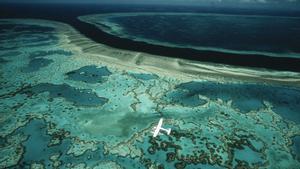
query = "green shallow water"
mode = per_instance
[{"x": 60, "y": 109}]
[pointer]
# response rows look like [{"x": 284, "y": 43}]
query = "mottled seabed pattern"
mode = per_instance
[{"x": 67, "y": 102}]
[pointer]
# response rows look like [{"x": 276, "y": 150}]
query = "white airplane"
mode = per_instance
[{"x": 158, "y": 128}]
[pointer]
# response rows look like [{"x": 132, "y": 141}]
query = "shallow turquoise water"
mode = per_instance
[{"x": 75, "y": 112}]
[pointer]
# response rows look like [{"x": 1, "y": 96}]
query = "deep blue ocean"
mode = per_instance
[{"x": 279, "y": 35}]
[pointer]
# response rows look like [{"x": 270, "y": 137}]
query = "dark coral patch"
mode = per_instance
[
  {"x": 37, "y": 64},
  {"x": 296, "y": 147},
  {"x": 89, "y": 74},
  {"x": 50, "y": 52},
  {"x": 245, "y": 97},
  {"x": 80, "y": 97},
  {"x": 143, "y": 76}
]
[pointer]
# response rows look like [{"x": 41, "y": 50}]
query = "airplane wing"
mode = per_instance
[
  {"x": 157, "y": 128},
  {"x": 156, "y": 132},
  {"x": 160, "y": 123}
]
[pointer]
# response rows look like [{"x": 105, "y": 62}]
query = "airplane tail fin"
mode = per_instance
[{"x": 169, "y": 131}]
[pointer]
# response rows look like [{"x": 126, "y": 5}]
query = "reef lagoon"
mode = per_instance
[
  {"x": 275, "y": 36},
  {"x": 68, "y": 102}
]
